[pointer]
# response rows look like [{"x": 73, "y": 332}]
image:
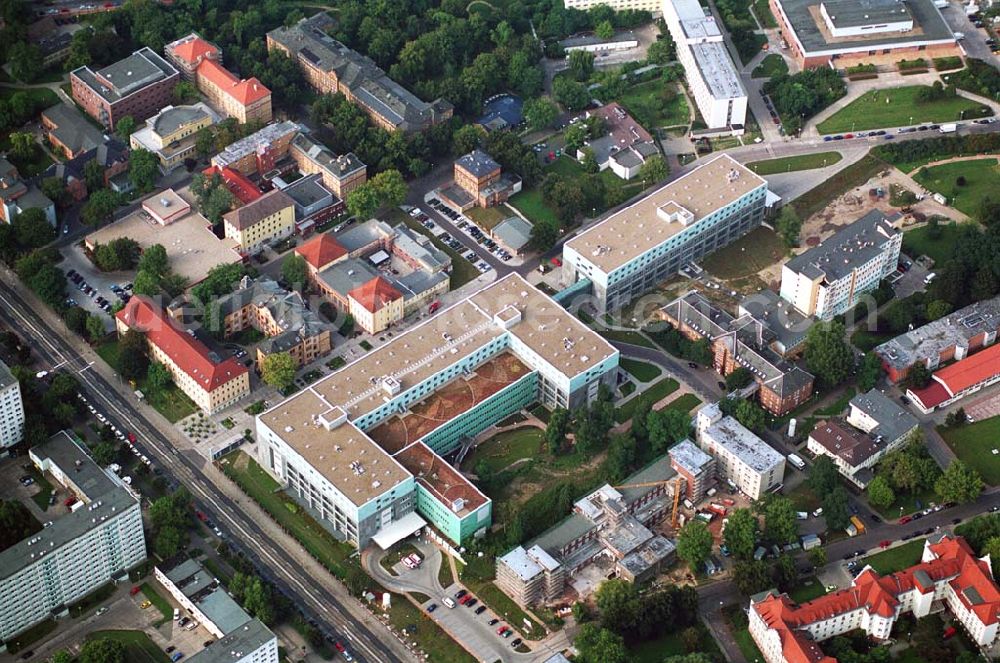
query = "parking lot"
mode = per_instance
[
  {"x": 91, "y": 289},
  {"x": 472, "y": 231}
]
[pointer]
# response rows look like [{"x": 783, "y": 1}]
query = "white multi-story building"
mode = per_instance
[
  {"x": 829, "y": 279},
  {"x": 617, "y": 5},
  {"x": 11, "y": 409},
  {"x": 638, "y": 247},
  {"x": 740, "y": 456},
  {"x": 241, "y": 639},
  {"x": 99, "y": 540},
  {"x": 250, "y": 643},
  {"x": 711, "y": 75},
  {"x": 362, "y": 447},
  {"x": 949, "y": 576}
]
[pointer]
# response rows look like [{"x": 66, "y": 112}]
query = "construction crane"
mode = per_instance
[{"x": 678, "y": 482}]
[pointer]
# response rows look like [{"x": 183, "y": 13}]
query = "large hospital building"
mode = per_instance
[
  {"x": 638, "y": 247},
  {"x": 362, "y": 448}
]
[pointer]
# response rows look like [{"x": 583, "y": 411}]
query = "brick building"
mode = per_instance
[
  {"x": 259, "y": 152},
  {"x": 479, "y": 182},
  {"x": 138, "y": 86},
  {"x": 743, "y": 342}
]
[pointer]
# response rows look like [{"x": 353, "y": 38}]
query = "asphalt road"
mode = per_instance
[{"x": 279, "y": 565}]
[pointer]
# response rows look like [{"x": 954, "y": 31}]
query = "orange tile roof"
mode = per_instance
[
  {"x": 970, "y": 371},
  {"x": 187, "y": 352},
  {"x": 193, "y": 49},
  {"x": 953, "y": 562},
  {"x": 932, "y": 395},
  {"x": 321, "y": 250},
  {"x": 245, "y": 92},
  {"x": 375, "y": 294}
]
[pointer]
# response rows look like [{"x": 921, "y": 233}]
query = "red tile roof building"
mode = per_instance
[
  {"x": 200, "y": 62},
  {"x": 241, "y": 186},
  {"x": 210, "y": 381},
  {"x": 958, "y": 380},
  {"x": 949, "y": 576},
  {"x": 321, "y": 251}
]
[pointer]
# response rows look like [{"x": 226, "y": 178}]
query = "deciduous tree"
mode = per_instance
[
  {"x": 959, "y": 483},
  {"x": 278, "y": 370},
  {"x": 828, "y": 356},
  {"x": 740, "y": 535},
  {"x": 694, "y": 544}
]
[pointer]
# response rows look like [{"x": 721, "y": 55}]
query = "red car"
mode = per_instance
[
  {"x": 949, "y": 632},
  {"x": 339, "y": 646},
  {"x": 556, "y": 261},
  {"x": 70, "y": 501},
  {"x": 885, "y": 544},
  {"x": 135, "y": 590},
  {"x": 202, "y": 517},
  {"x": 904, "y": 520},
  {"x": 131, "y": 437}
]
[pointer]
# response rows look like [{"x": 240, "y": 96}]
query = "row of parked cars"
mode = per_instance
[
  {"x": 463, "y": 597},
  {"x": 122, "y": 292},
  {"x": 471, "y": 229}
]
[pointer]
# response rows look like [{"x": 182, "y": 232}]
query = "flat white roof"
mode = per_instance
[
  {"x": 398, "y": 530},
  {"x": 742, "y": 443}
]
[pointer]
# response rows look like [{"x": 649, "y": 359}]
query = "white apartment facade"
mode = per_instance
[
  {"x": 100, "y": 539},
  {"x": 831, "y": 278},
  {"x": 740, "y": 456},
  {"x": 618, "y": 5},
  {"x": 11, "y": 409},
  {"x": 639, "y": 247},
  {"x": 711, "y": 75}
]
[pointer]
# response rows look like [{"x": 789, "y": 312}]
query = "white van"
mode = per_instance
[
  {"x": 796, "y": 461},
  {"x": 448, "y": 602},
  {"x": 177, "y": 614},
  {"x": 929, "y": 278}
]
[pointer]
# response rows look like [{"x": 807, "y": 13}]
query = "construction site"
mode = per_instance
[{"x": 623, "y": 531}]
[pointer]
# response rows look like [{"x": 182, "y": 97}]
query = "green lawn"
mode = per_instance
[
  {"x": 504, "y": 448},
  {"x": 487, "y": 217},
  {"x": 753, "y": 252},
  {"x": 974, "y": 445},
  {"x": 645, "y": 102},
  {"x": 43, "y": 97},
  {"x": 654, "y": 393},
  {"x": 896, "y": 559},
  {"x": 683, "y": 403},
  {"x": 865, "y": 340},
  {"x": 160, "y": 603},
  {"x": 789, "y": 164},
  {"x": 737, "y": 621},
  {"x": 41, "y": 498},
  {"x": 764, "y": 15},
  {"x": 462, "y": 271},
  {"x": 425, "y": 633},
  {"x": 529, "y": 203},
  {"x": 30, "y": 636},
  {"x": 670, "y": 644},
  {"x": 917, "y": 242},
  {"x": 808, "y": 589},
  {"x": 838, "y": 405},
  {"x": 820, "y": 195},
  {"x": 259, "y": 485},
  {"x": 982, "y": 179},
  {"x": 640, "y": 370},
  {"x": 906, "y": 503},
  {"x": 171, "y": 402},
  {"x": 771, "y": 65},
  {"x": 898, "y": 107},
  {"x": 138, "y": 647},
  {"x": 505, "y": 608}
]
